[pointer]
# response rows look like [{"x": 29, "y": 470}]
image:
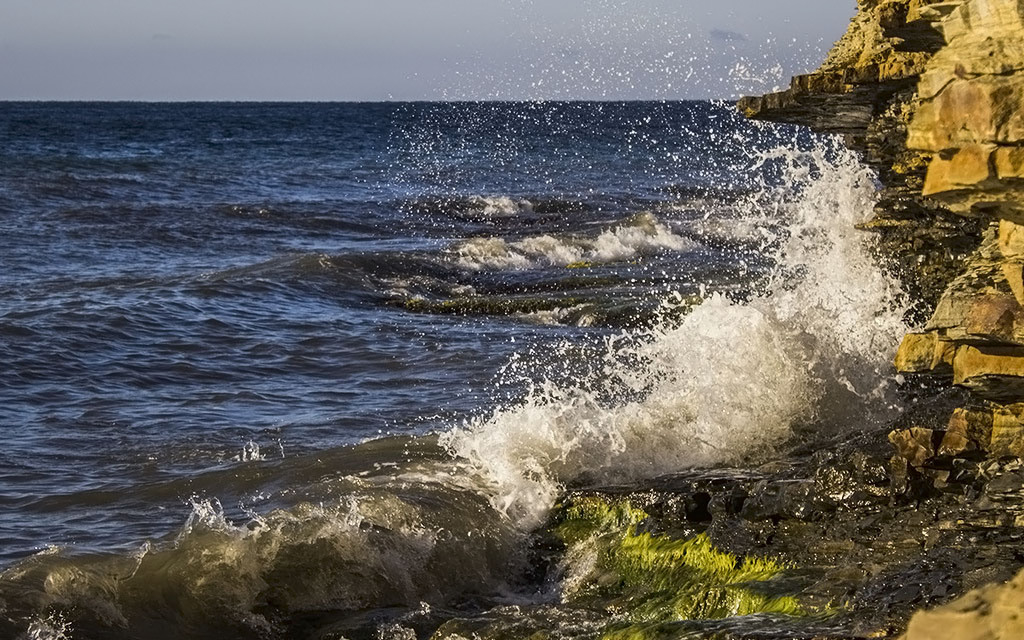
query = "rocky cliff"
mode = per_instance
[{"x": 932, "y": 94}]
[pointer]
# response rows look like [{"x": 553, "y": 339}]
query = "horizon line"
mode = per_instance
[{"x": 385, "y": 101}]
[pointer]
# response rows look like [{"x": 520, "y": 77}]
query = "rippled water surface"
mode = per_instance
[{"x": 205, "y": 308}]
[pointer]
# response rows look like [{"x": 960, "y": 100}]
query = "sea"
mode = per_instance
[{"x": 322, "y": 370}]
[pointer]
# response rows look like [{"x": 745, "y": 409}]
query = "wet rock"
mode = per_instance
[{"x": 916, "y": 445}]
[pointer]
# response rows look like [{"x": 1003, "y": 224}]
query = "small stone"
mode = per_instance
[{"x": 915, "y": 445}]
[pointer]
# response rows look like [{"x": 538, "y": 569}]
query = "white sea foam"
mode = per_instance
[
  {"x": 558, "y": 316},
  {"x": 641, "y": 234},
  {"x": 51, "y": 626},
  {"x": 499, "y": 206},
  {"x": 729, "y": 380}
]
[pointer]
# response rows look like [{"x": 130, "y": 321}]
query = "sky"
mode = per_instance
[{"x": 409, "y": 49}]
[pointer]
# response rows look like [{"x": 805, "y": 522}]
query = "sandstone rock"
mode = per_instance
[
  {"x": 885, "y": 49},
  {"x": 967, "y": 168},
  {"x": 983, "y": 305},
  {"x": 995, "y": 612},
  {"x": 970, "y": 111},
  {"x": 1013, "y": 272},
  {"x": 865, "y": 91},
  {"x": 924, "y": 352},
  {"x": 971, "y": 117},
  {"x": 968, "y": 430},
  {"x": 1007, "y": 439},
  {"x": 956, "y": 441},
  {"x": 1009, "y": 163},
  {"x": 915, "y": 445},
  {"x": 942, "y": 122},
  {"x": 1011, "y": 239},
  {"x": 996, "y": 373}
]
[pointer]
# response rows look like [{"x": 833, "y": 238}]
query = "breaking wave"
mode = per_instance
[
  {"x": 729, "y": 380},
  {"x": 641, "y": 234}
]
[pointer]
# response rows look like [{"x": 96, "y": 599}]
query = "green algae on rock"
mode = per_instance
[{"x": 653, "y": 578}]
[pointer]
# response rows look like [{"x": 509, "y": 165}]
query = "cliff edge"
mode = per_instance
[{"x": 932, "y": 94}]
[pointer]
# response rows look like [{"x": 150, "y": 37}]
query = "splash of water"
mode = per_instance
[
  {"x": 48, "y": 627},
  {"x": 732, "y": 378}
]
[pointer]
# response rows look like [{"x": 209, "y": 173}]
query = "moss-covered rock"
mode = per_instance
[{"x": 651, "y": 578}]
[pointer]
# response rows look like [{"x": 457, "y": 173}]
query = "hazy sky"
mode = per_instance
[{"x": 408, "y": 49}]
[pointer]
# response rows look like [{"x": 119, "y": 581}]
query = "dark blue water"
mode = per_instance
[{"x": 204, "y": 300}]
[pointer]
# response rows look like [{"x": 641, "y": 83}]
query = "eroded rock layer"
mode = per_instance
[{"x": 867, "y": 91}]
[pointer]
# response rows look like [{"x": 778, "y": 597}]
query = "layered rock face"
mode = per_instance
[
  {"x": 866, "y": 90},
  {"x": 970, "y": 124},
  {"x": 932, "y": 94}
]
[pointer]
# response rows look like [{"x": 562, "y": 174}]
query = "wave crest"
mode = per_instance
[{"x": 642, "y": 234}]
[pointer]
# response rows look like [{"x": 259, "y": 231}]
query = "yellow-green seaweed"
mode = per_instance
[{"x": 654, "y": 578}]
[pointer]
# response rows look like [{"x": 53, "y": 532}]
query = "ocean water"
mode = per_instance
[{"x": 268, "y": 368}]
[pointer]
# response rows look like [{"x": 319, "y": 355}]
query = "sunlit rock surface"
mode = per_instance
[
  {"x": 994, "y": 612},
  {"x": 867, "y": 91}
]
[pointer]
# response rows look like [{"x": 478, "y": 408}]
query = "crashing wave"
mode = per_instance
[{"x": 730, "y": 379}]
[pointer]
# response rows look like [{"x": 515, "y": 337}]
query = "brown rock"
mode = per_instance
[
  {"x": 1014, "y": 274},
  {"x": 1009, "y": 163},
  {"x": 915, "y": 445},
  {"x": 1007, "y": 438},
  {"x": 961, "y": 114},
  {"x": 924, "y": 352},
  {"x": 973, "y": 426},
  {"x": 955, "y": 443},
  {"x": 992, "y": 318},
  {"x": 1011, "y": 236},
  {"x": 995, "y": 612},
  {"x": 996, "y": 373},
  {"x": 967, "y": 168}
]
